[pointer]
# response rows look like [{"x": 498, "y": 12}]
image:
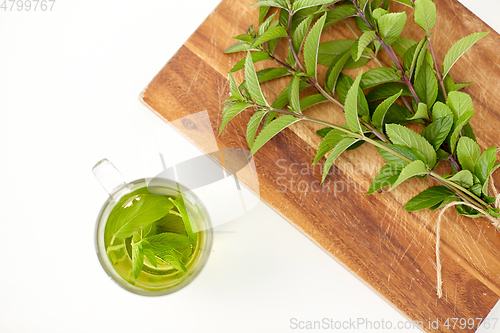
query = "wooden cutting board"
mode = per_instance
[{"x": 390, "y": 249}]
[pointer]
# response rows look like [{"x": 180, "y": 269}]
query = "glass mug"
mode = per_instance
[{"x": 116, "y": 255}]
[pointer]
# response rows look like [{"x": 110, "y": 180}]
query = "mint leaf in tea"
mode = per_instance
[{"x": 149, "y": 238}]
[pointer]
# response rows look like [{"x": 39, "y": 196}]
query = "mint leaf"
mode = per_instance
[
  {"x": 253, "y": 82},
  {"x": 379, "y": 12},
  {"x": 420, "y": 58},
  {"x": 458, "y": 49},
  {"x": 391, "y": 26},
  {"x": 282, "y": 99},
  {"x": 485, "y": 185},
  {"x": 440, "y": 110},
  {"x": 402, "y": 45},
  {"x": 386, "y": 176},
  {"x": 468, "y": 152},
  {"x": 438, "y": 130},
  {"x": 405, "y": 2},
  {"x": 233, "y": 88},
  {"x": 381, "y": 110},
  {"x": 113, "y": 222},
  {"x": 143, "y": 232},
  {"x": 253, "y": 126},
  {"x": 485, "y": 164},
  {"x": 340, "y": 13},
  {"x": 293, "y": 94},
  {"x": 230, "y": 111},
  {"x": 181, "y": 207},
  {"x": 330, "y": 140},
  {"x": 460, "y": 123},
  {"x": 428, "y": 198},
  {"x": 336, "y": 151},
  {"x": 137, "y": 258},
  {"x": 311, "y": 46},
  {"x": 271, "y": 130},
  {"x": 150, "y": 255},
  {"x": 387, "y": 90},
  {"x": 301, "y": 4},
  {"x": 333, "y": 74},
  {"x": 426, "y": 85},
  {"x": 344, "y": 83},
  {"x": 263, "y": 10},
  {"x": 172, "y": 258},
  {"x": 170, "y": 223},
  {"x": 449, "y": 84},
  {"x": 421, "y": 112},
  {"x": 403, "y": 136},
  {"x": 272, "y": 33},
  {"x": 324, "y": 131},
  {"x": 239, "y": 47},
  {"x": 271, "y": 45},
  {"x": 397, "y": 114},
  {"x": 412, "y": 55},
  {"x": 300, "y": 33},
  {"x": 362, "y": 4},
  {"x": 245, "y": 38},
  {"x": 167, "y": 241},
  {"x": 463, "y": 178},
  {"x": 115, "y": 247},
  {"x": 425, "y": 14},
  {"x": 468, "y": 211},
  {"x": 351, "y": 64},
  {"x": 256, "y": 57},
  {"x": 415, "y": 168},
  {"x": 460, "y": 86},
  {"x": 379, "y": 75},
  {"x": 271, "y": 3},
  {"x": 140, "y": 211},
  {"x": 312, "y": 100},
  {"x": 451, "y": 198},
  {"x": 265, "y": 25},
  {"x": 469, "y": 132},
  {"x": 409, "y": 153},
  {"x": 363, "y": 43},
  {"x": 459, "y": 103},
  {"x": 331, "y": 51},
  {"x": 269, "y": 74},
  {"x": 351, "y": 106}
]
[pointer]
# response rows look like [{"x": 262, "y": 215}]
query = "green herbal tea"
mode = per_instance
[{"x": 149, "y": 239}]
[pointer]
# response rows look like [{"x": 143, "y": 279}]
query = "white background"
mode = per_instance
[{"x": 69, "y": 81}]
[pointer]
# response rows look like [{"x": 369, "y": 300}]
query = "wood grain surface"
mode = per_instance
[{"x": 390, "y": 249}]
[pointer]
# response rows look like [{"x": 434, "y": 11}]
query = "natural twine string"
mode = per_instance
[
  {"x": 492, "y": 188},
  {"x": 494, "y": 193},
  {"x": 494, "y": 221}
]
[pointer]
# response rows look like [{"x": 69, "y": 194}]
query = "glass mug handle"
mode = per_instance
[{"x": 108, "y": 176}]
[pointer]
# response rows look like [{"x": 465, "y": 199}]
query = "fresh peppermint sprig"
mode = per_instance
[{"x": 437, "y": 103}]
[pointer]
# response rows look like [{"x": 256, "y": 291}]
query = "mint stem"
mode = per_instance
[
  {"x": 439, "y": 77},
  {"x": 462, "y": 192},
  {"x": 377, "y": 61},
  {"x": 329, "y": 97},
  {"x": 390, "y": 51},
  {"x": 290, "y": 42}
]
